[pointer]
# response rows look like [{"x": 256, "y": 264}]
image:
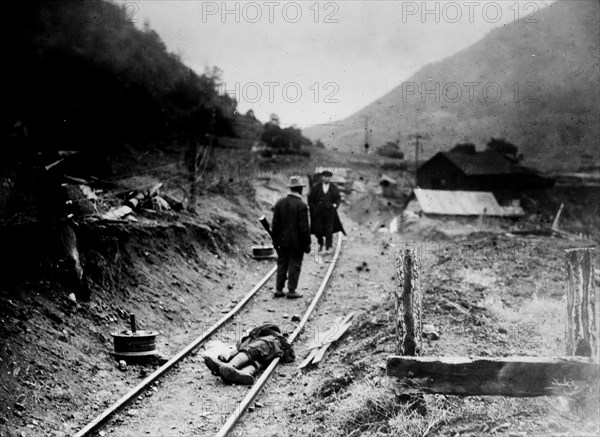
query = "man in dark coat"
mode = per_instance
[
  {"x": 291, "y": 237},
  {"x": 323, "y": 200}
]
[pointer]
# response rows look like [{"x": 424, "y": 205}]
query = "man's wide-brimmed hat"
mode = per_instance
[
  {"x": 295, "y": 181},
  {"x": 327, "y": 173}
]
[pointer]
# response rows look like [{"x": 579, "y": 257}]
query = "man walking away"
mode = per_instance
[
  {"x": 291, "y": 236},
  {"x": 324, "y": 198}
]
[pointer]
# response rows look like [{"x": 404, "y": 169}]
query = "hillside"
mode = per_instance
[
  {"x": 83, "y": 76},
  {"x": 553, "y": 117}
]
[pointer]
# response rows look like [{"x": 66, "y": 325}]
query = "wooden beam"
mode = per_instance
[
  {"x": 408, "y": 302},
  {"x": 309, "y": 358},
  {"x": 507, "y": 376},
  {"x": 583, "y": 304}
]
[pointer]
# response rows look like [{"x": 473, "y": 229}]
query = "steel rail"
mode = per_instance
[
  {"x": 101, "y": 418},
  {"x": 258, "y": 386}
]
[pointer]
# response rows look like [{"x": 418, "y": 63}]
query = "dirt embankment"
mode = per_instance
[{"x": 175, "y": 272}]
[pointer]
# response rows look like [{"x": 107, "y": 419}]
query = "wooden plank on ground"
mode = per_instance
[
  {"x": 308, "y": 359},
  {"x": 348, "y": 317},
  {"x": 330, "y": 329},
  {"x": 506, "y": 376},
  {"x": 318, "y": 347},
  {"x": 321, "y": 352}
]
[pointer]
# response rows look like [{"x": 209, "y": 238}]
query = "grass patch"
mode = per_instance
[{"x": 536, "y": 325}]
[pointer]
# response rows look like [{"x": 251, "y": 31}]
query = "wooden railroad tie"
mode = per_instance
[
  {"x": 318, "y": 347},
  {"x": 508, "y": 376}
]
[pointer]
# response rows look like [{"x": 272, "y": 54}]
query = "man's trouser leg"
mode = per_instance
[
  {"x": 328, "y": 228},
  {"x": 240, "y": 370},
  {"x": 320, "y": 240},
  {"x": 295, "y": 265},
  {"x": 283, "y": 264}
]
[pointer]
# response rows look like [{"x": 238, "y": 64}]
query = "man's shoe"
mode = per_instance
[
  {"x": 243, "y": 376},
  {"x": 293, "y": 295},
  {"x": 213, "y": 364},
  {"x": 279, "y": 293}
]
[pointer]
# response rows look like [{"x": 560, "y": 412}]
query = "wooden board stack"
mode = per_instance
[{"x": 323, "y": 340}]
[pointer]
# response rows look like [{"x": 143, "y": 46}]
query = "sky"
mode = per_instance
[{"x": 315, "y": 62}]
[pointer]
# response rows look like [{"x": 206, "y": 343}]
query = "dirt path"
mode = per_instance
[
  {"x": 289, "y": 404},
  {"x": 191, "y": 401}
]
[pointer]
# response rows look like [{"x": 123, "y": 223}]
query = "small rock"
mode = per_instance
[
  {"x": 295, "y": 318},
  {"x": 122, "y": 365},
  {"x": 161, "y": 358},
  {"x": 132, "y": 412},
  {"x": 72, "y": 297},
  {"x": 285, "y": 316},
  {"x": 430, "y": 332},
  {"x": 19, "y": 406},
  {"x": 502, "y": 330}
]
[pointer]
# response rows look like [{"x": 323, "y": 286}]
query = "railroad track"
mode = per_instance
[{"x": 178, "y": 366}]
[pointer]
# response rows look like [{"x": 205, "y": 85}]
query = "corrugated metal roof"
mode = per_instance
[{"x": 462, "y": 203}]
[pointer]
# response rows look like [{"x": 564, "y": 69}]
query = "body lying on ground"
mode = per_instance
[{"x": 253, "y": 352}]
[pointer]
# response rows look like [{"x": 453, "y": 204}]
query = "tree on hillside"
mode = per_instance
[
  {"x": 274, "y": 119},
  {"x": 287, "y": 140},
  {"x": 464, "y": 148},
  {"x": 80, "y": 79},
  {"x": 390, "y": 149},
  {"x": 505, "y": 148}
]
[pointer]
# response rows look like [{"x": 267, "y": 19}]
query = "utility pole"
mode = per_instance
[
  {"x": 199, "y": 159},
  {"x": 418, "y": 137},
  {"x": 366, "y": 134}
]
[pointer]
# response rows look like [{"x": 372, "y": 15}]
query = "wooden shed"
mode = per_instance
[{"x": 485, "y": 171}]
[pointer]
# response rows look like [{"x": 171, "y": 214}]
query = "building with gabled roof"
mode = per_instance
[{"x": 484, "y": 171}]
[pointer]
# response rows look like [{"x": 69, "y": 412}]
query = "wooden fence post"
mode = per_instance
[
  {"x": 408, "y": 302},
  {"x": 583, "y": 304}
]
